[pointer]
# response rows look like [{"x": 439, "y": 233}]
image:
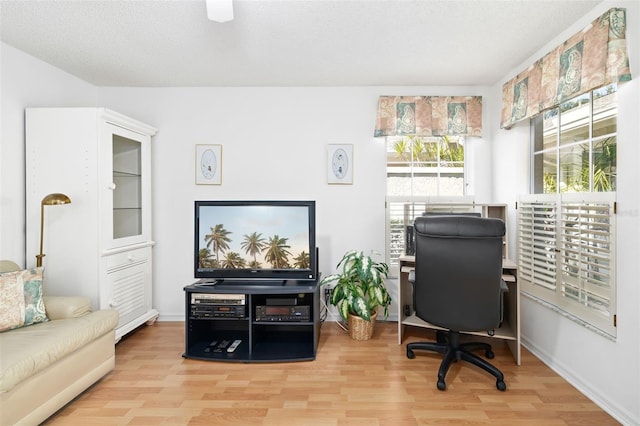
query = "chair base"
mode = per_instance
[{"x": 449, "y": 345}]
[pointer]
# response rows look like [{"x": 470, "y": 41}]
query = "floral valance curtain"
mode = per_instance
[
  {"x": 429, "y": 116},
  {"x": 594, "y": 57}
]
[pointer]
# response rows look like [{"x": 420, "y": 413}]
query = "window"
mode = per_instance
[
  {"x": 566, "y": 229},
  {"x": 419, "y": 168},
  {"x": 574, "y": 145}
]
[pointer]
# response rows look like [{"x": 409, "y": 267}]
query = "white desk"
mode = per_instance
[{"x": 508, "y": 331}]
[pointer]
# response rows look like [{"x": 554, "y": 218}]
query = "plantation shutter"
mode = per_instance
[
  {"x": 566, "y": 254},
  {"x": 537, "y": 242}
]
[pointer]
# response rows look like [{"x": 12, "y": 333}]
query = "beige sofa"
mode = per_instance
[{"x": 44, "y": 366}]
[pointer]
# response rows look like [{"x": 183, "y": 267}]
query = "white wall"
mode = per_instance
[
  {"x": 606, "y": 371},
  {"x": 274, "y": 143},
  {"x": 25, "y": 82}
]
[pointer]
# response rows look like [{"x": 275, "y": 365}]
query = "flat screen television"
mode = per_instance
[{"x": 249, "y": 240}]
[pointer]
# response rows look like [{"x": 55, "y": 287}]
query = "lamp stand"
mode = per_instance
[{"x": 49, "y": 200}]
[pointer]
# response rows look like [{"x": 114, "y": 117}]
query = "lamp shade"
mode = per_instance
[{"x": 55, "y": 199}]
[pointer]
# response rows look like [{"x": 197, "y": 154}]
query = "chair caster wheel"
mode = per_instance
[
  {"x": 501, "y": 385},
  {"x": 489, "y": 354},
  {"x": 441, "y": 385},
  {"x": 410, "y": 354}
]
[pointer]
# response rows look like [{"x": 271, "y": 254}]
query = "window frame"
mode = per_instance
[
  {"x": 415, "y": 165},
  {"x": 567, "y": 239},
  {"x": 561, "y": 145},
  {"x": 395, "y": 238}
]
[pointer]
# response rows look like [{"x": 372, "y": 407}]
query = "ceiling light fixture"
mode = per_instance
[{"x": 220, "y": 10}]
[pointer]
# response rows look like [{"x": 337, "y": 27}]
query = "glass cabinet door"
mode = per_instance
[
  {"x": 125, "y": 208},
  {"x": 127, "y": 188}
]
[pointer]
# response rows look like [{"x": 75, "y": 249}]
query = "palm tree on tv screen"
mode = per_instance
[
  {"x": 253, "y": 245},
  {"x": 219, "y": 239},
  {"x": 204, "y": 258},
  {"x": 233, "y": 260},
  {"x": 277, "y": 253},
  {"x": 302, "y": 260}
]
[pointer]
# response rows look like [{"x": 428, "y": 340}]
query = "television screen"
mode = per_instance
[{"x": 255, "y": 240}]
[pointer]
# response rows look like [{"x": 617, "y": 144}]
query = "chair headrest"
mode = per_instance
[{"x": 459, "y": 226}]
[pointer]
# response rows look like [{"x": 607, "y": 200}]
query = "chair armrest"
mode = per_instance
[
  {"x": 504, "y": 287},
  {"x": 64, "y": 307}
]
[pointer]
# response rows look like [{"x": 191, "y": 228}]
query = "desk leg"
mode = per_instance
[{"x": 405, "y": 295}]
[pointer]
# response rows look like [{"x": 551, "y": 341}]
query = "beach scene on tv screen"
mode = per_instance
[{"x": 253, "y": 237}]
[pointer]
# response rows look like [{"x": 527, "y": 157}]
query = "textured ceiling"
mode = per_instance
[{"x": 287, "y": 42}]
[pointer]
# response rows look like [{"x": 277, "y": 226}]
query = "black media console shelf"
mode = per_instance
[{"x": 272, "y": 321}]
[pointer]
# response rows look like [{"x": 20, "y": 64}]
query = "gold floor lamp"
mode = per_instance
[{"x": 50, "y": 200}]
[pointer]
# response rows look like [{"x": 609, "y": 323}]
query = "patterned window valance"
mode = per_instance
[
  {"x": 429, "y": 116},
  {"x": 594, "y": 57}
]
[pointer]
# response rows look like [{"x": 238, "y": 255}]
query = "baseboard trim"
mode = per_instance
[
  {"x": 171, "y": 317},
  {"x": 619, "y": 413}
]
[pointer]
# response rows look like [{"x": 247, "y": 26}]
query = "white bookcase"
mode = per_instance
[{"x": 100, "y": 245}]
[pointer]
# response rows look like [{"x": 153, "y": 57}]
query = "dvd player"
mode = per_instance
[
  {"x": 218, "y": 299},
  {"x": 269, "y": 313},
  {"x": 218, "y": 311}
]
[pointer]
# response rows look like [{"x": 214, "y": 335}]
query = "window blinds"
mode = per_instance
[{"x": 566, "y": 254}]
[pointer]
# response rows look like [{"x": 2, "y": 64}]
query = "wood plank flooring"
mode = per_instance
[{"x": 350, "y": 383}]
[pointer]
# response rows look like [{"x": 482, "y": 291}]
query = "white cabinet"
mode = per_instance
[{"x": 100, "y": 245}]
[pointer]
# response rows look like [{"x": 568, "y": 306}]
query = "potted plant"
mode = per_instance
[{"x": 358, "y": 292}]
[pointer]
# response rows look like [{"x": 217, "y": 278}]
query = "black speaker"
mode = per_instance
[
  {"x": 409, "y": 242},
  {"x": 407, "y": 310}
]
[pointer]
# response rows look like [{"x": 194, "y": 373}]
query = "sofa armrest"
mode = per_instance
[{"x": 63, "y": 307}]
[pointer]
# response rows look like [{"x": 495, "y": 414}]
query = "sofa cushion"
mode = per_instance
[
  {"x": 63, "y": 307},
  {"x": 21, "y": 300},
  {"x": 28, "y": 350}
]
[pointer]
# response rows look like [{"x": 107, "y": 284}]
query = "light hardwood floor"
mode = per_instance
[{"x": 356, "y": 383}]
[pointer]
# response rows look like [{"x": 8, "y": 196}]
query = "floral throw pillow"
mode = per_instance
[{"x": 21, "y": 301}]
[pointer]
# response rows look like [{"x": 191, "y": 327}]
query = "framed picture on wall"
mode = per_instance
[
  {"x": 208, "y": 164},
  {"x": 340, "y": 164}
]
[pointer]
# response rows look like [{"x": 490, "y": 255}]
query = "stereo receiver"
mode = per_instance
[
  {"x": 283, "y": 313},
  {"x": 218, "y": 299},
  {"x": 217, "y": 311},
  {"x": 208, "y": 305}
]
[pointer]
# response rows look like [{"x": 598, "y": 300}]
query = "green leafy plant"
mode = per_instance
[
  {"x": 444, "y": 150},
  {"x": 361, "y": 286}
]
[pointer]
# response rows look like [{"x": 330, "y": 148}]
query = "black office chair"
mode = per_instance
[{"x": 458, "y": 286}]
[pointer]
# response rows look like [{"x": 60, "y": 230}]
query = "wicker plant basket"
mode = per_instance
[{"x": 360, "y": 329}]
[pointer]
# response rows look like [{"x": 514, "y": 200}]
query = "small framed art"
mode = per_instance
[
  {"x": 208, "y": 164},
  {"x": 340, "y": 164}
]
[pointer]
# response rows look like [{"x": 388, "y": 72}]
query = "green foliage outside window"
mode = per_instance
[
  {"x": 575, "y": 144},
  {"x": 448, "y": 151}
]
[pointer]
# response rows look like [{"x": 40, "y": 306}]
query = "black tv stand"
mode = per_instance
[
  {"x": 271, "y": 320},
  {"x": 247, "y": 282},
  {"x": 206, "y": 283}
]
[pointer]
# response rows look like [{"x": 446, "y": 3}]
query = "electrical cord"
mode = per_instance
[{"x": 325, "y": 312}]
